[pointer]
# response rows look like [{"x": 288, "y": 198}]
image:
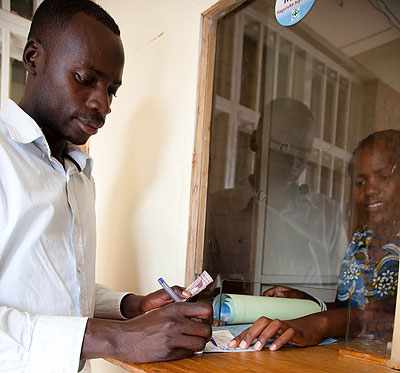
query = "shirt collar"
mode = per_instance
[
  {"x": 21, "y": 126},
  {"x": 25, "y": 130},
  {"x": 82, "y": 158}
]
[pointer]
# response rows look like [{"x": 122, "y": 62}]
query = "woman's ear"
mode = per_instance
[{"x": 33, "y": 55}]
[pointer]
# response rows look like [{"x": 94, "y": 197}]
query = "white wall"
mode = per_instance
[{"x": 143, "y": 154}]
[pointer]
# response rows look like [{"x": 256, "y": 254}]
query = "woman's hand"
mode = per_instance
[
  {"x": 285, "y": 292},
  {"x": 305, "y": 331}
]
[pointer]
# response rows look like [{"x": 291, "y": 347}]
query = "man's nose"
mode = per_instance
[{"x": 100, "y": 100}]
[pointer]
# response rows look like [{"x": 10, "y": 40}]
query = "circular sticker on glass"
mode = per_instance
[{"x": 289, "y": 12}]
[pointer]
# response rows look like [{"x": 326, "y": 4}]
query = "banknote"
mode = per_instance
[{"x": 200, "y": 283}]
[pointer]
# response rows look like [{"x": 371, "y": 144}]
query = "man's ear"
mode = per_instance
[{"x": 33, "y": 56}]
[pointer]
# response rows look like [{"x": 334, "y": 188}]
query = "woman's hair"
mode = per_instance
[{"x": 391, "y": 139}]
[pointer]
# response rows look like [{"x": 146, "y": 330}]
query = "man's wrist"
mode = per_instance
[
  {"x": 131, "y": 305},
  {"x": 98, "y": 341}
]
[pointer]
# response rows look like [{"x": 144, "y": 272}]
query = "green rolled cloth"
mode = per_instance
[{"x": 243, "y": 309}]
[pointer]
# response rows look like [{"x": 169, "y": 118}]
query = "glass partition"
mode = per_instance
[{"x": 304, "y": 154}]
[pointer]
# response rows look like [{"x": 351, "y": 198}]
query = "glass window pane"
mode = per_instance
[
  {"x": 218, "y": 150},
  {"x": 337, "y": 184},
  {"x": 325, "y": 187},
  {"x": 0, "y": 70},
  {"x": 299, "y": 68},
  {"x": 22, "y": 7},
  {"x": 312, "y": 171},
  {"x": 330, "y": 106},
  {"x": 224, "y": 57},
  {"x": 244, "y": 157},
  {"x": 249, "y": 77},
  {"x": 355, "y": 113},
  {"x": 18, "y": 80},
  {"x": 342, "y": 113},
  {"x": 316, "y": 95},
  {"x": 267, "y": 68},
  {"x": 298, "y": 213},
  {"x": 283, "y": 68}
]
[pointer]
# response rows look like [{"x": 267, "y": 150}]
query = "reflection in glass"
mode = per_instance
[
  {"x": 218, "y": 146},
  {"x": 338, "y": 184},
  {"x": 224, "y": 60},
  {"x": 299, "y": 68},
  {"x": 369, "y": 273},
  {"x": 305, "y": 238},
  {"x": 244, "y": 158},
  {"x": 281, "y": 207},
  {"x": 267, "y": 68},
  {"x": 249, "y": 75},
  {"x": 330, "y": 102},
  {"x": 342, "y": 113},
  {"x": 326, "y": 182},
  {"x": 22, "y": 7},
  {"x": 283, "y": 67},
  {"x": 316, "y": 95},
  {"x": 18, "y": 80}
]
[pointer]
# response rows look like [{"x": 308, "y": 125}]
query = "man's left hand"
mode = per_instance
[{"x": 135, "y": 305}]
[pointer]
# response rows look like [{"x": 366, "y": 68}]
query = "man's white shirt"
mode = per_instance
[{"x": 47, "y": 250}]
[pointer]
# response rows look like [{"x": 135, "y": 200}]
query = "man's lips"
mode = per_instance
[{"x": 88, "y": 126}]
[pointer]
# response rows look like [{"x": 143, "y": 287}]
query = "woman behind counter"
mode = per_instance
[{"x": 369, "y": 272}]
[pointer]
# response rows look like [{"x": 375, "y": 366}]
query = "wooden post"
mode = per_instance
[{"x": 210, "y": 18}]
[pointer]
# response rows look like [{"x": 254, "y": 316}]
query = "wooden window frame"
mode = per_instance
[{"x": 200, "y": 161}]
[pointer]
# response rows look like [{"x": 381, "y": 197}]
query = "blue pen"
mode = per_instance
[{"x": 175, "y": 297}]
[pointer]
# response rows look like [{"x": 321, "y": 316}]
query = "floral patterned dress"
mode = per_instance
[{"x": 361, "y": 280}]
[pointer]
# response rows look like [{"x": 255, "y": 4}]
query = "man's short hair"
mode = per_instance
[{"x": 53, "y": 15}]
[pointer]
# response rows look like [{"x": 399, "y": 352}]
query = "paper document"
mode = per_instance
[{"x": 243, "y": 309}]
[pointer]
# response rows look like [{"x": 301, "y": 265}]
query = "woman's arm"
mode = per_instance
[{"x": 312, "y": 329}]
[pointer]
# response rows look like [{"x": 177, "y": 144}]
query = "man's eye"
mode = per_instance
[
  {"x": 83, "y": 79},
  {"x": 113, "y": 93}
]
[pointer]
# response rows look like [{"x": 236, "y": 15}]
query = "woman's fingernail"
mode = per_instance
[
  {"x": 243, "y": 345},
  {"x": 257, "y": 346},
  {"x": 231, "y": 343},
  {"x": 273, "y": 347}
]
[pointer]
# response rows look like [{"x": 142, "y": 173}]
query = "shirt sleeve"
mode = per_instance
[
  {"x": 37, "y": 343},
  {"x": 108, "y": 303}
]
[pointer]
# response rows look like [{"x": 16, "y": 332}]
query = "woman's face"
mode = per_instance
[{"x": 376, "y": 180}]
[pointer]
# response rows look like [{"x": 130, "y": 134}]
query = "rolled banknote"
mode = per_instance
[{"x": 200, "y": 283}]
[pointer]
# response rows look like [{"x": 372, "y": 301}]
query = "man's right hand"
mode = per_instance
[{"x": 167, "y": 333}]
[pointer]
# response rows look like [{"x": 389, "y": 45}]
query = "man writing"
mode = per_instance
[{"x": 74, "y": 58}]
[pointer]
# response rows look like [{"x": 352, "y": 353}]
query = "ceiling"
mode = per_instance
[{"x": 355, "y": 26}]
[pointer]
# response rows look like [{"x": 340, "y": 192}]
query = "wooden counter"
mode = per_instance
[{"x": 315, "y": 359}]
